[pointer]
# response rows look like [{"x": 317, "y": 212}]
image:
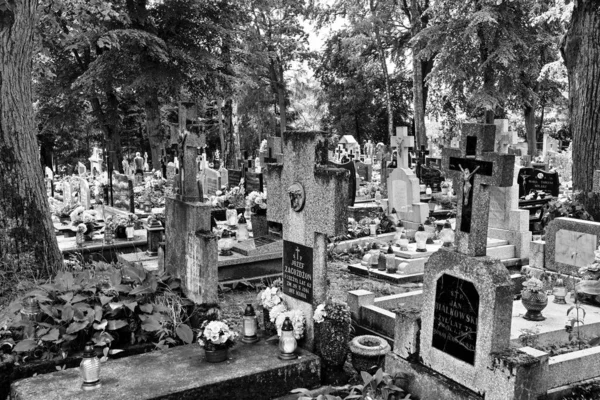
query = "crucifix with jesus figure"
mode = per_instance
[{"x": 474, "y": 168}]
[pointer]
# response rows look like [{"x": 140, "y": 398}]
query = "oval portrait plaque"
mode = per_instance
[{"x": 297, "y": 198}]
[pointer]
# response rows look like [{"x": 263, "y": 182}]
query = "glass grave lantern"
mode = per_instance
[
  {"x": 287, "y": 341},
  {"x": 250, "y": 325},
  {"x": 447, "y": 235},
  {"x": 90, "y": 368},
  {"x": 421, "y": 239}
]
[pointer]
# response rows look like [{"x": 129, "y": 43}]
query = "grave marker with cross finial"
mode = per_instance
[
  {"x": 474, "y": 168},
  {"x": 310, "y": 200},
  {"x": 338, "y": 152},
  {"x": 402, "y": 141},
  {"x": 421, "y": 154},
  {"x": 273, "y": 151}
]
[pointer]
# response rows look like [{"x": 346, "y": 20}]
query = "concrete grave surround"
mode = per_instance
[
  {"x": 493, "y": 284},
  {"x": 570, "y": 244},
  {"x": 324, "y": 211}
]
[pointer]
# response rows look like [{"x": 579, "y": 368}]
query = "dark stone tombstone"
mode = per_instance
[
  {"x": 432, "y": 177},
  {"x": 534, "y": 179},
  {"x": 352, "y": 184},
  {"x": 455, "y": 318},
  {"x": 364, "y": 170},
  {"x": 298, "y": 271},
  {"x": 253, "y": 182},
  {"x": 234, "y": 176}
]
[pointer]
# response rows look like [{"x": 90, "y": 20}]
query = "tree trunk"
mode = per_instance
[
  {"x": 529, "y": 116},
  {"x": 109, "y": 123},
  {"x": 281, "y": 97},
  {"x": 386, "y": 78},
  {"x": 418, "y": 81},
  {"x": 581, "y": 52},
  {"x": 224, "y": 152},
  {"x": 235, "y": 131},
  {"x": 154, "y": 128},
  {"x": 27, "y": 239}
]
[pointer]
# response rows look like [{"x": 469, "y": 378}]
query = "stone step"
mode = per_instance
[
  {"x": 501, "y": 252},
  {"x": 252, "y": 372}
]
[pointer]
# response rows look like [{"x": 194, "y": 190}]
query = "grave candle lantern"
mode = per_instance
[
  {"x": 421, "y": 238},
  {"x": 428, "y": 190},
  {"x": 154, "y": 230},
  {"x": 390, "y": 259},
  {"x": 31, "y": 310},
  {"x": 402, "y": 241},
  {"x": 447, "y": 235},
  {"x": 231, "y": 215},
  {"x": 373, "y": 228},
  {"x": 242, "y": 232},
  {"x": 560, "y": 292},
  {"x": 226, "y": 243},
  {"x": 250, "y": 325},
  {"x": 129, "y": 231},
  {"x": 90, "y": 368},
  {"x": 287, "y": 341}
]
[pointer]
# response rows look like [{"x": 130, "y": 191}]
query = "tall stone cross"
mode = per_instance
[
  {"x": 310, "y": 200},
  {"x": 474, "y": 168},
  {"x": 190, "y": 145},
  {"x": 402, "y": 141}
]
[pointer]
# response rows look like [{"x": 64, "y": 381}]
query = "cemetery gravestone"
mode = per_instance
[
  {"x": 224, "y": 173},
  {"x": 211, "y": 181},
  {"x": 570, "y": 244},
  {"x": 67, "y": 193},
  {"x": 403, "y": 185},
  {"x": 308, "y": 198},
  {"x": 84, "y": 194},
  {"x": 81, "y": 169},
  {"x": 432, "y": 177},
  {"x": 351, "y": 195},
  {"x": 421, "y": 154},
  {"x": 191, "y": 249},
  {"x": 531, "y": 179},
  {"x": 364, "y": 170},
  {"x": 474, "y": 168},
  {"x": 234, "y": 177}
]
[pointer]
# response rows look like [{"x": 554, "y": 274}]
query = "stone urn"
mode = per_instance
[
  {"x": 368, "y": 352},
  {"x": 534, "y": 302}
]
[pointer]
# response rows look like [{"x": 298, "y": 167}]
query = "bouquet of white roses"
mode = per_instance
[
  {"x": 270, "y": 297},
  {"x": 216, "y": 334},
  {"x": 257, "y": 200}
]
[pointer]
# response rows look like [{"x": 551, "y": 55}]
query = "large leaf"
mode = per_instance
[
  {"x": 100, "y": 326},
  {"x": 151, "y": 324},
  {"x": 67, "y": 313},
  {"x": 134, "y": 273},
  {"x": 115, "y": 305},
  {"x": 67, "y": 297},
  {"x": 123, "y": 288},
  {"x": 51, "y": 336},
  {"x": 115, "y": 277},
  {"x": 105, "y": 299},
  {"x": 115, "y": 324},
  {"x": 78, "y": 298},
  {"x": 76, "y": 326},
  {"x": 147, "y": 308},
  {"x": 97, "y": 313},
  {"x": 25, "y": 345},
  {"x": 185, "y": 333},
  {"x": 132, "y": 305}
]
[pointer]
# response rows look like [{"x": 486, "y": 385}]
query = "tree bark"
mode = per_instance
[
  {"x": 529, "y": 116},
  {"x": 418, "y": 80},
  {"x": 386, "y": 77},
  {"x": 154, "y": 128},
  {"x": 109, "y": 123},
  {"x": 224, "y": 152},
  {"x": 581, "y": 52},
  {"x": 27, "y": 239}
]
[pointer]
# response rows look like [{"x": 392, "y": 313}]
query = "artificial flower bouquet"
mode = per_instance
[
  {"x": 271, "y": 296},
  {"x": 257, "y": 201},
  {"x": 216, "y": 335}
]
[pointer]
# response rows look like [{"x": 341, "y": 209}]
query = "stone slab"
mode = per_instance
[
  {"x": 570, "y": 244},
  {"x": 262, "y": 245},
  {"x": 395, "y": 278},
  {"x": 252, "y": 372}
]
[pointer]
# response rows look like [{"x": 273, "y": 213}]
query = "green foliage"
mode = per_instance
[
  {"x": 381, "y": 386},
  {"x": 568, "y": 206},
  {"x": 107, "y": 305}
]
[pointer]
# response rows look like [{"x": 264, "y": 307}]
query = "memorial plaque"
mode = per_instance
[
  {"x": 455, "y": 318},
  {"x": 530, "y": 179},
  {"x": 234, "y": 176},
  {"x": 298, "y": 271},
  {"x": 431, "y": 177},
  {"x": 253, "y": 182}
]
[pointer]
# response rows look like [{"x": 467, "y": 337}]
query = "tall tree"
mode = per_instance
[
  {"x": 27, "y": 239},
  {"x": 581, "y": 52}
]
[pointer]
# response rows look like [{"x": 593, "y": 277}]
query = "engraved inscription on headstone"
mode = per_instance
[
  {"x": 192, "y": 270},
  {"x": 298, "y": 271},
  {"x": 234, "y": 177},
  {"x": 455, "y": 318}
]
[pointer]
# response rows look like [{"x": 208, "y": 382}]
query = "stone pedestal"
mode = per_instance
[{"x": 191, "y": 249}]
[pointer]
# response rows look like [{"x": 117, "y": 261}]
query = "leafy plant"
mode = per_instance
[
  {"x": 381, "y": 386},
  {"x": 104, "y": 304},
  {"x": 567, "y": 206}
]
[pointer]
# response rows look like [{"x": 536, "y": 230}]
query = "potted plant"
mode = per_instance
[
  {"x": 268, "y": 299},
  {"x": 333, "y": 325},
  {"x": 534, "y": 299},
  {"x": 216, "y": 337},
  {"x": 368, "y": 352}
]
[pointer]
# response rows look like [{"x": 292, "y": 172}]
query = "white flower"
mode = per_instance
[
  {"x": 276, "y": 311},
  {"x": 320, "y": 314}
]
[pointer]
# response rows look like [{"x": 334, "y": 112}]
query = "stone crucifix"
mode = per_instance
[
  {"x": 310, "y": 200},
  {"x": 475, "y": 167}
]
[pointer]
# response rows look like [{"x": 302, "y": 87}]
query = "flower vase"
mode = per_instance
[
  {"x": 534, "y": 303},
  {"x": 120, "y": 232},
  {"x": 79, "y": 239},
  {"x": 269, "y": 327},
  {"x": 217, "y": 355}
]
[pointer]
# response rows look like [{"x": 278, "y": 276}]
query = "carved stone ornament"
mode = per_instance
[{"x": 297, "y": 198}]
